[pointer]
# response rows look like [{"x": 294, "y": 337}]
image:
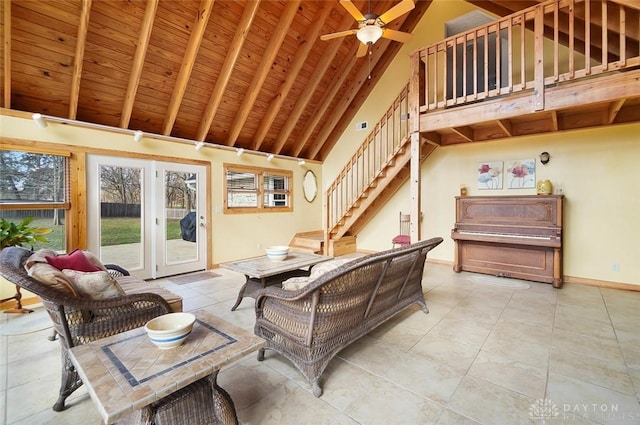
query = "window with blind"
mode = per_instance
[
  {"x": 36, "y": 185},
  {"x": 253, "y": 189}
]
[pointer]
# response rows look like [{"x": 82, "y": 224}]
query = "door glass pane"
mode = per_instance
[
  {"x": 121, "y": 220},
  {"x": 181, "y": 216}
]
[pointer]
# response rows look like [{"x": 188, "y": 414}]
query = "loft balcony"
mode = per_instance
[{"x": 559, "y": 65}]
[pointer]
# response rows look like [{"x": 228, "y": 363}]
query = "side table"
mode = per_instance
[{"x": 127, "y": 375}]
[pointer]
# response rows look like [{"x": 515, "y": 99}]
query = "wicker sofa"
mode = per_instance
[
  {"x": 78, "y": 319},
  {"x": 310, "y": 325}
]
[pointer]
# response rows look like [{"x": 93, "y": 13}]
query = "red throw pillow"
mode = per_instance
[{"x": 75, "y": 260}]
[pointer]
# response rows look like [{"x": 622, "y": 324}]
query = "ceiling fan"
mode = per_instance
[{"x": 371, "y": 27}]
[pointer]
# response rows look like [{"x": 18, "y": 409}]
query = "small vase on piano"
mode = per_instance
[{"x": 544, "y": 187}]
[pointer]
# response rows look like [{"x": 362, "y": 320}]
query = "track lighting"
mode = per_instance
[
  {"x": 42, "y": 121},
  {"x": 39, "y": 119}
]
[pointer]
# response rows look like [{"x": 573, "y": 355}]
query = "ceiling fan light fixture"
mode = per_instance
[{"x": 369, "y": 34}]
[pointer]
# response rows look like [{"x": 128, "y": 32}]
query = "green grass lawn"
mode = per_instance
[{"x": 114, "y": 231}]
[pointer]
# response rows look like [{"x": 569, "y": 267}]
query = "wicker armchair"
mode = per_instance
[
  {"x": 309, "y": 326},
  {"x": 79, "y": 320}
]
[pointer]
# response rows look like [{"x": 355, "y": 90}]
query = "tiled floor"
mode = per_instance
[{"x": 487, "y": 353}]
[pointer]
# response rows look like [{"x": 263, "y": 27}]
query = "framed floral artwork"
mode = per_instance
[
  {"x": 490, "y": 175},
  {"x": 521, "y": 174}
]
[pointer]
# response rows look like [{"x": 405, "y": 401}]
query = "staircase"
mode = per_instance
[
  {"x": 314, "y": 243},
  {"x": 311, "y": 242},
  {"x": 375, "y": 172}
]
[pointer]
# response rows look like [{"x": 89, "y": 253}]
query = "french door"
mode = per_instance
[{"x": 147, "y": 216}]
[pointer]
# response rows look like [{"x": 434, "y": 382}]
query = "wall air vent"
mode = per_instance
[{"x": 362, "y": 125}]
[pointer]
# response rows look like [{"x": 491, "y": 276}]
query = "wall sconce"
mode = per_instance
[
  {"x": 269, "y": 157},
  {"x": 137, "y": 136},
  {"x": 39, "y": 120},
  {"x": 544, "y": 158},
  {"x": 199, "y": 145},
  {"x": 301, "y": 162},
  {"x": 240, "y": 151}
]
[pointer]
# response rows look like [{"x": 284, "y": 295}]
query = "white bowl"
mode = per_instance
[
  {"x": 170, "y": 330},
  {"x": 277, "y": 252}
]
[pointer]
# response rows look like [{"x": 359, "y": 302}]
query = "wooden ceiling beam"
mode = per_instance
[
  {"x": 305, "y": 46},
  {"x": 240, "y": 36},
  {"x": 498, "y": 9},
  {"x": 465, "y": 132},
  {"x": 195, "y": 39},
  {"x": 505, "y": 126},
  {"x": 310, "y": 87},
  {"x": 78, "y": 58},
  {"x": 614, "y": 109},
  {"x": 138, "y": 62},
  {"x": 554, "y": 120},
  {"x": 278, "y": 35},
  {"x": 432, "y": 138},
  {"x": 6, "y": 15},
  {"x": 324, "y": 105},
  {"x": 324, "y": 145}
]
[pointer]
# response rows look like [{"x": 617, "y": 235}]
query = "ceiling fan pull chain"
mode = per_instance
[{"x": 370, "y": 53}]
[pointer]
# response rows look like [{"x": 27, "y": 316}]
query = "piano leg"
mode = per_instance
[
  {"x": 457, "y": 265},
  {"x": 557, "y": 268}
]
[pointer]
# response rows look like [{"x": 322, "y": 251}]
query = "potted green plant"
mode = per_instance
[{"x": 20, "y": 234}]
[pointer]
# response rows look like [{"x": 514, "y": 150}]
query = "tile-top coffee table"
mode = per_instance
[
  {"x": 127, "y": 374},
  {"x": 261, "y": 271}
]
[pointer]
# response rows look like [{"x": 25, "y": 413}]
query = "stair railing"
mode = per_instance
[{"x": 368, "y": 163}]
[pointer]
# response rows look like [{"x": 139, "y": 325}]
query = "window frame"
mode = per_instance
[
  {"x": 260, "y": 191},
  {"x": 66, "y": 205},
  {"x": 48, "y": 205}
]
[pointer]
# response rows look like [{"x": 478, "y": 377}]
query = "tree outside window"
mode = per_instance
[{"x": 253, "y": 189}]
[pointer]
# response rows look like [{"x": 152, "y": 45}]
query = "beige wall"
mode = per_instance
[
  {"x": 234, "y": 235},
  {"x": 595, "y": 169}
]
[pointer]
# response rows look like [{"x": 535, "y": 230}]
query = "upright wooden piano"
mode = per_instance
[{"x": 510, "y": 236}]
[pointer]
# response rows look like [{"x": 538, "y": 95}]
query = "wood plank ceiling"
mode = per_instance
[{"x": 237, "y": 73}]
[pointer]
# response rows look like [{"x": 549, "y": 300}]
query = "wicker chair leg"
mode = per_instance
[
  {"x": 261, "y": 354},
  {"x": 70, "y": 381},
  {"x": 316, "y": 389},
  {"x": 424, "y": 307}
]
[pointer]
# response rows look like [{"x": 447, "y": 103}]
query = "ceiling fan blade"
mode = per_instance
[
  {"x": 326, "y": 37},
  {"x": 398, "y": 10},
  {"x": 400, "y": 36},
  {"x": 353, "y": 10},
  {"x": 362, "y": 50}
]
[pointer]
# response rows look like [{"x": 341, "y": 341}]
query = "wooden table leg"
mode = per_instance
[
  {"x": 241, "y": 294},
  {"x": 18, "y": 308}
]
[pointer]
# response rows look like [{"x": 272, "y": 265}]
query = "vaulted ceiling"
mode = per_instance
[{"x": 247, "y": 74}]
